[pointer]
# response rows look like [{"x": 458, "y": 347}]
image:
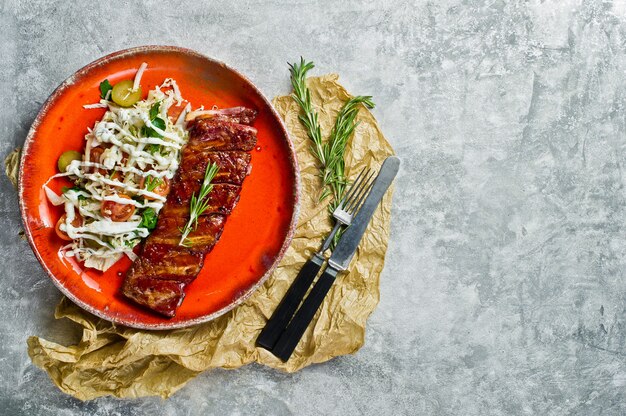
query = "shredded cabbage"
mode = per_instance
[{"x": 136, "y": 148}]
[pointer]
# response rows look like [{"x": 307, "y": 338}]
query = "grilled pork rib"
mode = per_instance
[{"x": 157, "y": 279}]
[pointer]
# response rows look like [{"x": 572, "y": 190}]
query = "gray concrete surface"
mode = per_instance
[{"x": 503, "y": 292}]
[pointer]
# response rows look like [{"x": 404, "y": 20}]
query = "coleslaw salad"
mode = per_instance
[{"x": 122, "y": 179}]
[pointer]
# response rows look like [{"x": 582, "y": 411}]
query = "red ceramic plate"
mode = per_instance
[{"x": 256, "y": 234}]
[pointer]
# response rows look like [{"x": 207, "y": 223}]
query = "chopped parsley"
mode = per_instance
[
  {"x": 154, "y": 110},
  {"x": 156, "y": 122},
  {"x": 152, "y": 183},
  {"x": 148, "y": 219},
  {"x": 153, "y": 148},
  {"x": 105, "y": 87}
]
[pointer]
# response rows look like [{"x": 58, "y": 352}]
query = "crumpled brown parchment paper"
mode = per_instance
[
  {"x": 126, "y": 362},
  {"x": 12, "y": 165}
]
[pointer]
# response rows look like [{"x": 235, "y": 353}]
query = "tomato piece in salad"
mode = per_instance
[
  {"x": 159, "y": 186},
  {"x": 117, "y": 211},
  {"x": 77, "y": 222},
  {"x": 95, "y": 155}
]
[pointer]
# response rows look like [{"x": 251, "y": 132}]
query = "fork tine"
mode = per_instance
[
  {"x": 345, "y": 194},
  {"x": 361, "y": 193},
  {"x": 350, "y": 192},
  {"x": 368, "y": 188},
  {"x": 357, "y": 190}
]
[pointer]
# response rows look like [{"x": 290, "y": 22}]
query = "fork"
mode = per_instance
[{"x": 346, "y": 209}]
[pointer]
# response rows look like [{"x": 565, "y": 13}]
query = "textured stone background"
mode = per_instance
[{"x": 503, "y": 291}]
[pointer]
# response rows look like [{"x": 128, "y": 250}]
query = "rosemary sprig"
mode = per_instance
[
  {"x": 308, "y": 117},
  {"x": 330, "y": 154},
  {"x": 199, "y": 203},
  {"x": 335, "y": 178}
]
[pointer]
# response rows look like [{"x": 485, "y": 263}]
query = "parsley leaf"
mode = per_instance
[
  {"x": 154, "y": 110},
  {"x": 150, "y": 132},
  {"x": 159, "y": 122},
  {"x": 148, "y": 219},
  {"x": 152, "y": 148},
  {"x": 145, "y": 131},
  {"x": 105, "y": 87}
]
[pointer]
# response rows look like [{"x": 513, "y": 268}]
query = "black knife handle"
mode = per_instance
[
  {"x": 293, "y": 333},
  {"x": 287, "y": 307}
]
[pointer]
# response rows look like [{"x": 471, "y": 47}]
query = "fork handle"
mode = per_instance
[
  {"x": 293, "y": 333},
  {"x": 287, "y": 307}
]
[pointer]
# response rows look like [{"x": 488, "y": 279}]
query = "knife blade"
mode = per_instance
[
  {"x": 339, "y": 261},
  {"x": 345, "y": 249}
]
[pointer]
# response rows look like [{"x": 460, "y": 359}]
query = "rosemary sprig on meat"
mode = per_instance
[{"x": 199, "y": 203}]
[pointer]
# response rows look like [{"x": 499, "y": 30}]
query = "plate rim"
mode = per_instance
[{"x": 47, "y": 105}]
